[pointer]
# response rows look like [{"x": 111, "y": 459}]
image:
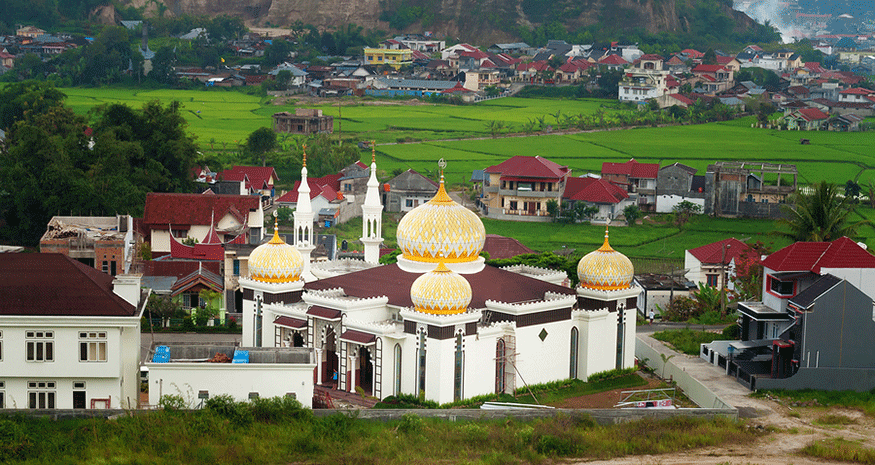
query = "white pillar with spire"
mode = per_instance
[
  {"x": 304, "y": 240},
  {"x": 372, "y": 214}
]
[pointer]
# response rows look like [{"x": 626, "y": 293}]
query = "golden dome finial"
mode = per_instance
[
  {"x": 305, "y": 155},
  {"x": 373, "y": 151},
  {"x": 606, "y": 247},
  {"x": 276, "y": 239}
]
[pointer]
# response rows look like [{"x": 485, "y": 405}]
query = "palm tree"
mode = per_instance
[{"x": 820, "y": 216}]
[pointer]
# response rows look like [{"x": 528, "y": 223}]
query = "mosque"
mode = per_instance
[{"x": 439, "y": 322}]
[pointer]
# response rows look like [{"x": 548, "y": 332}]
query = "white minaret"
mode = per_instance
[
  {"x": 304, "y": 222},
  {"x": 372, "y": 214}
]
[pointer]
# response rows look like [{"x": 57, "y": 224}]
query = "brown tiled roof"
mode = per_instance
[
  {"x": 504, "y": 247},
  {"x": 489, "y": 284},
  {"x": 529, "y": 167},
  {"x": 178, "y": 268},
  {"x": 48, "y": 284},
  {"x": 290, "y": 322},
  {"x": 194, "y": 209}
]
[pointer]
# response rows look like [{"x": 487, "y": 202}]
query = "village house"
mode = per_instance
[
  {"x": 678, "y": 183},
  {"x": 713, "y": 78},
  {"x": 715, "y": 264},
  {"x": 105, "y": 243},
  {"x": 305, "y": 121},
  {"x": 407, "y": 191},
  {"x": 638, "y": 179},
  {"x": 70, "y": 334},
  {"x": 806, "y": 119},
  {"x": 748, "y": 189},
  {"x": 644, "y": 80},
  {"x": 609, "y": 198},
  {"x": 810, "y": 329},
  {"x": 520, "y": 187},
  {"x": 394, "y": 57}
]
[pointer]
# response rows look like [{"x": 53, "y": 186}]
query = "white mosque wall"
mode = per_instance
[
  {"x": 543, "y": 361},
  {"x": 598, "y": 342}
]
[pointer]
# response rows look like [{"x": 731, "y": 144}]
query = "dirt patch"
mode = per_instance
[{"x": 606, "y": 399}]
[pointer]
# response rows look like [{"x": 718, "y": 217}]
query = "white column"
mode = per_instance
[
  {"x": 352, "y": 361},
  {"x": 318, "y": 365}
]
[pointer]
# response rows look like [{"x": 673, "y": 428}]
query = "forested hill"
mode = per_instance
[{"x": 681, "y": 22}]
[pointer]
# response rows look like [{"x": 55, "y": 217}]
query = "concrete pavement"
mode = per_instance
[{"x": 713, "y": 377}]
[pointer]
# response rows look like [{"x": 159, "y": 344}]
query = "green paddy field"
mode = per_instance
[{"x": 416, "y": 135}]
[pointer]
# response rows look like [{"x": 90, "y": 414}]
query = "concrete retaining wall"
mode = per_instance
[{"x": 696, "y": 391}]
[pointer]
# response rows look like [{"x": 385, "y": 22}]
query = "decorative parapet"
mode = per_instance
[
  {"x": 376, "y": 328},
  {"x": 468, "y": 316},
  {"x": 273, "y": 288},
  {"x": 337, "y": 298},
  {"x": 543, "y": 274},
  {"x": 551, "y": 302}
]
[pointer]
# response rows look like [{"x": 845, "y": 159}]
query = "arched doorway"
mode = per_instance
[
  {"x": 500, "y": 366},
  {"x": 330, "y": 363},
  {"x": 297, "y": 339},
  {"x": 365, "y": 372}
]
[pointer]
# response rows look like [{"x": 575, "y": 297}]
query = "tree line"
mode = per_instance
[{"x": 55, "y": 162}]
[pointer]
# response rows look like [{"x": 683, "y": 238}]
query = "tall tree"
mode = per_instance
[
  {"x": 259, "y": 143},
  {"x": 820, "y": 216}
]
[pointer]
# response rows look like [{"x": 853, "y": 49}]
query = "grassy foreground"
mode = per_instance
[{"x": 216, "y": 437}]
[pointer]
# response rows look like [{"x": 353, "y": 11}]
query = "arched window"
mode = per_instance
[
  {"x": 421, "y": 357},
  {"x": 457, "y": 372},
  {"x": 499, "y": 366},
  {"x": 397, "y": 369},
  {"x": 572, "y": 372}
]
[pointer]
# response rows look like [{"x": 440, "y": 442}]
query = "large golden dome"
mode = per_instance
[
  {"x": 441, "y": 292},
  {"x": 275, "y": 262},
  {"x": 605, "y": 269},
  {"x": 441, "y": 230}
]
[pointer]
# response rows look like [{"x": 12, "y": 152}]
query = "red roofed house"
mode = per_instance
[
  {"x": 7, "y": 59},
  {"x": 806, "y": 119},
  {"x": 321, "y": 195},
  {"x": 714, "y": 78},
  {"x": 813, "y": 327},
  {"x": 192, "y": 215},
  {"x": 608, "y": 197},
  {"x": 613, "y": 62},
  {"x": 857, "y": 95},
  {"x": 636, "y": 178},
  {"x": 729, "y": 62},
  {"x": 520, "y": 187},
  {"x": 715, "y": 263},
  {"x": 261, "y": 178},
  {"x": 71, "y": 333}
]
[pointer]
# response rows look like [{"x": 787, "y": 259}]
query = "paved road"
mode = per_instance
[{"x": 711, "y": 376}]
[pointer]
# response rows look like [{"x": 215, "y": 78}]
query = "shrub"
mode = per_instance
[
  {"x": 232, "y": 323},
  {"x": 187, "y": 324},
  {"x": 14, "y": 441},
  {"x": 226, "y": 407},
  {"x": 410, "y": 423},
  {"x": 610, "y": 374},
  {"x": 278, "y": 409},
  {"x": 172, "y": 403},
  {"x": 732, "y": 332}
]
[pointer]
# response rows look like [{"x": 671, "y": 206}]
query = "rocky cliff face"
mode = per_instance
[{"x": 479, "y": 21}]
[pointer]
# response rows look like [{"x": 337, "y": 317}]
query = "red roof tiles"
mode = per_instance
[
  {"x": 594, "y": 190},
  {"x": 504, "y": 247},
  {"x": 632, "y": 168},
  {"x": 521, "y": 166},
  {"x": 715, "y": 253},
  {"x": 812, "y": 114},
  {"x": 163, "y": 210},
  {"x": 49, "y": 284},
  {"x": 259, "y": 176},
  {"x": 812, "y": 256}
]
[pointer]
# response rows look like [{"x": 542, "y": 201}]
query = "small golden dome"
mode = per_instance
[
  {"x": 275, "y": 261},
  {"x": 605, "y": 269},
  {"x": 441, "y": 230},
  {"x": 441, "y": 292}
]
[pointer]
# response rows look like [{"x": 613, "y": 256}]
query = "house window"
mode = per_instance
[
  {"x": 112, "y": 268},
  {"x": 105, "y": 267},
  {"x": 179, "y": 233},
  {"x": 781, "y": 288},
  {"x": 1, "y": 348},
  {"x": 40, "y": 346},
  {"x": 409, "y": 202},
  {"x": 236, "y": 267},
  {"x": 92, "y": 346},
  {"x": 2, "y": 394},
  {"x": 711, "y": 280},
  {"x": 513, "y": 205},
  {"x": 255, "y": 236},
  {"x": 41, "y": 394}
]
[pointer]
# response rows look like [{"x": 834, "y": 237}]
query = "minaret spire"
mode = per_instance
[
  {"x": 304, "y": 221},
  {"x": 372, "y": 214}
]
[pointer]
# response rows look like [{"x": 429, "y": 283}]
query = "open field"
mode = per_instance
[{"x": 220, "y": 117}]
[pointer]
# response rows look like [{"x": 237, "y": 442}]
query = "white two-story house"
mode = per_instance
[{"x": 69, "y": 334}]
